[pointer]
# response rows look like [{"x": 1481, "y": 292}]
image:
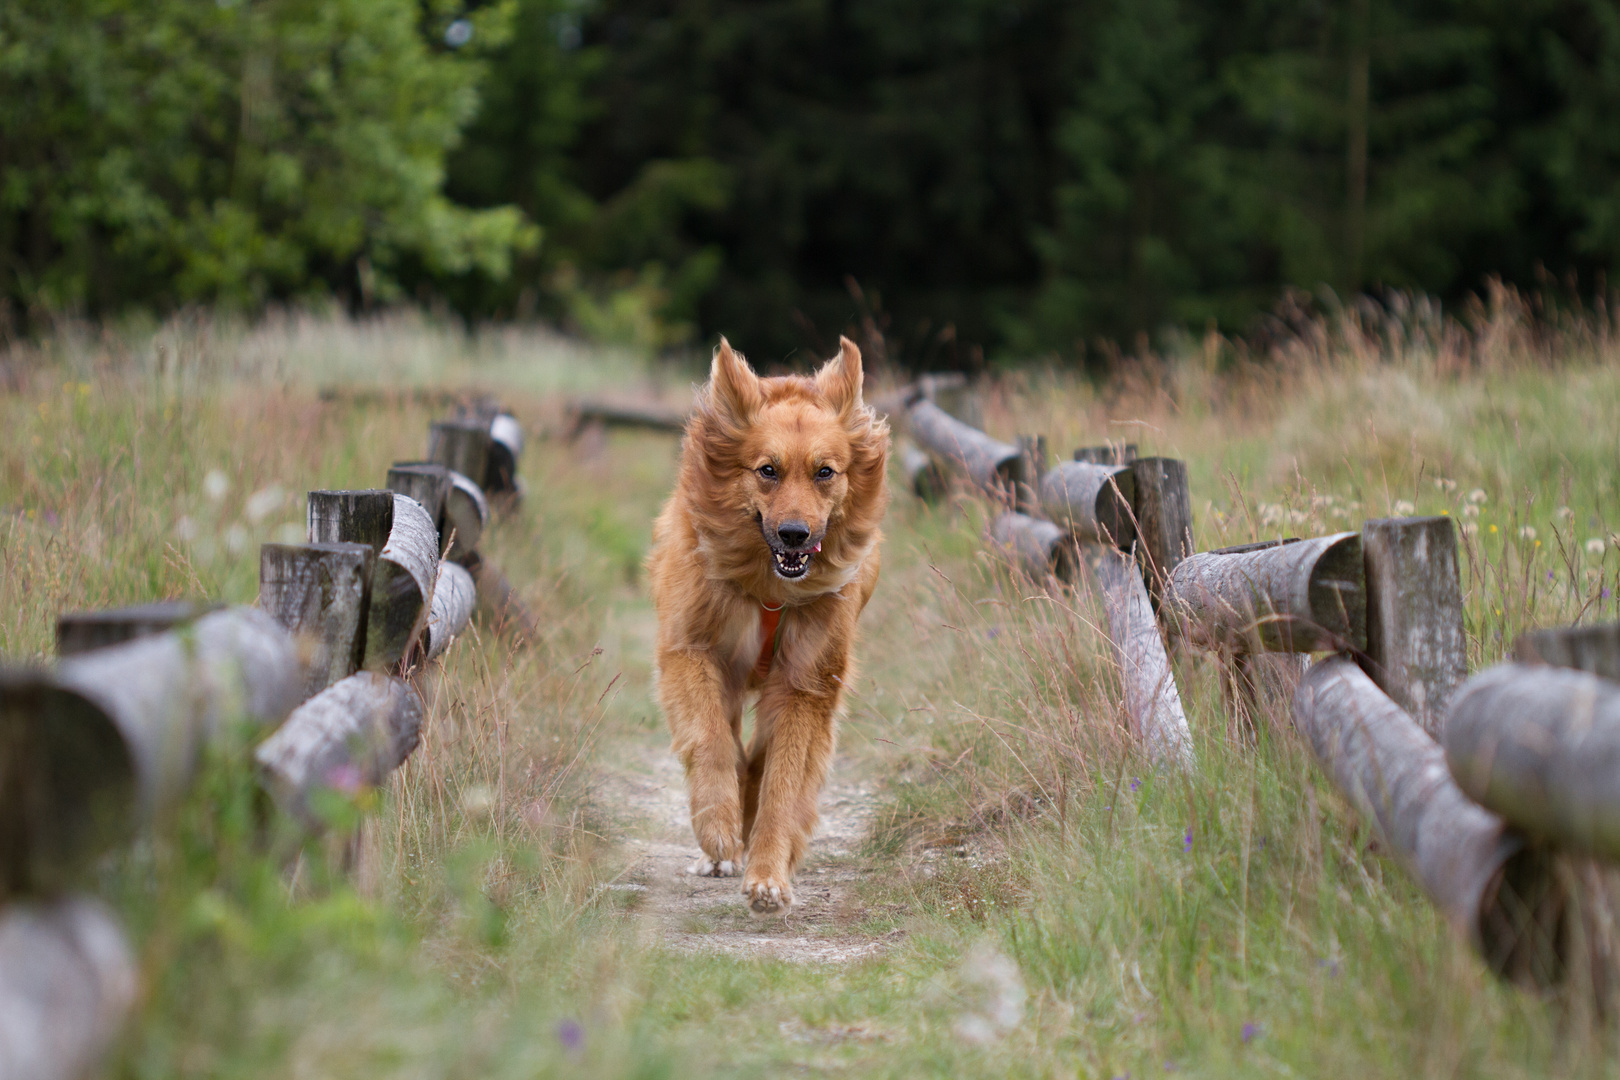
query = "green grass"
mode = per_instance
[{"x": 1154, "y": 921}]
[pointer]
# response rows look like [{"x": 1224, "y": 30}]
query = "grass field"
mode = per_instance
[{"x": 1038, "y": 902}]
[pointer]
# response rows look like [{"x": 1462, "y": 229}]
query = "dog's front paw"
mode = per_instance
[
  {"x": 707, "y": 867},
  {"x": 768, "y": 895}
]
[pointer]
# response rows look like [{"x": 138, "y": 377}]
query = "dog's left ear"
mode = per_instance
[{"x": 839, "y": 380}]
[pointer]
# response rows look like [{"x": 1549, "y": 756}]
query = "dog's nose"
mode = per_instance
[{"x": 793, "y": 533}]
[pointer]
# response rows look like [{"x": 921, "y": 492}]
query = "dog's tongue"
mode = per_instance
[{"x": 817, "y": 547}]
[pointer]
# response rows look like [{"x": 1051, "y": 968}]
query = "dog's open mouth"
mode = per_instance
[{"x": 792, "y": 564}]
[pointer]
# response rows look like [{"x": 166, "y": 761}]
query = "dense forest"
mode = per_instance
[{"x": 997, "y": 178}]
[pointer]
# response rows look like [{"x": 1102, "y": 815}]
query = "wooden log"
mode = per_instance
[
  {"x": 1300, "y": 596},
  {"x": 952, "y": 393},
  {"x": 454, "y": 597},
  {"x": 1163, "y": 506},
  {"x": 349, "y": 737},
  {"x": 505, "y": 448},
  {"x": 466, "y": 515},
  {"x": 498, "y": 603},
  {"x": 1092, "y": 501},
  {"x": 992, "y": 466},
  {"x": 649, "y": 416},
  {"x": 1120, "y": 453},
  {"x": 923, "y": 475},
  {"x": 1416, "y": 649},
  {"x": 80, "y": 631},
  {"x": 1582, "y": 648},
  {"x": 111, "y": 738},
  {"x": 1152, "y": 701},
  {"x": 427, "y": 482},
  {"x": 321, "y": 593},
  {"x": 1541, "y": 747},
  {"x": 351, "y": 517},
  {"x": 401, "y": 584},
  {"x": 1037, "y": 548},
  {"x": 460, "y": 445},
  {"x": 67, "y": 983},
  {"x": 1475, "y": 869}
]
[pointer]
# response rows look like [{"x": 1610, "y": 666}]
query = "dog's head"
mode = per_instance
[{"x": 792, "y": 469}]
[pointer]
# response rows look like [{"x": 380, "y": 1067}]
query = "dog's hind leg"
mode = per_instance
[
  {"x": 705, "y": 722},
  {"x": 796, "y": 755}
]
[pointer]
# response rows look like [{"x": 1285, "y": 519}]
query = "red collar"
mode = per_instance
[{"x": 769, "y": 617}]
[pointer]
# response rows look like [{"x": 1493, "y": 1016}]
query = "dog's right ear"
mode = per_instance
[{"x": 734, "y": 388}]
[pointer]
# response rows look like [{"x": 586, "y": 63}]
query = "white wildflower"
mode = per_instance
[
  {"x": 1445, "y": 485},
  {"x": 185, "y": 530},
  {"x": 215, "y": 485},
  {"x": 264, "y": 502},
  {"x": 1477, "y": 496},
  {"x": 1527, "y": 532},
  {"x": 1564, "y": 513},
  {"x": 1470, "y": 528},
  {"x": 1595, "y": 546},
  {"x": 1404, "y": 508},
  {"x": 236, "y": 539},
  {"x": 1470, "y": 511}
]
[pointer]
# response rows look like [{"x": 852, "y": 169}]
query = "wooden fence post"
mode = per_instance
[
  {"x": 67, "y": 982},
  {"x": 460, "y": 445},
  {"x": 321, "y": 591},
  {"x": 505, "y": 448},
  {"x": 1120, "y": 453},
  {"x": 351, "y": 517},
  {"x": 1031, "y": 467},
  {"x": 427, "y": 482},
  {"x": 1038, "y": 548},
  {"x": 80, "y": 631},
  {"x": 454, "y": 596},
  {"x": 466, "y": 515},
  {"x": 1092, "y": 501},
  {"x": 1584, "y": 648},
  {"x": 1152, "y": 701},
  {"x": 1163, "y": 520},
  {"x": 401, "y": 584},
  {"x": 350, "y": 736},
  {"x": 1416, "y": 649},
  {"x": 1477, "y": 871}
]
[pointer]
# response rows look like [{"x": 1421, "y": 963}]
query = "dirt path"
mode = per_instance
[{"x": 693, "y": 914}]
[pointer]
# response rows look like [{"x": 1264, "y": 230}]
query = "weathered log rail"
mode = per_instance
[
  {"x": 1483, "y": 791},
  {"x": 108, "y": 740}
]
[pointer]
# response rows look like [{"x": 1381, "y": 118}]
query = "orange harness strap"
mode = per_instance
[{"x": 769, "y": 617}]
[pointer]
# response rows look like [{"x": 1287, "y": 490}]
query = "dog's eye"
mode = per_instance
[
  {"x": 824, "y": 473},
  {"x": 767, "y": 471}
]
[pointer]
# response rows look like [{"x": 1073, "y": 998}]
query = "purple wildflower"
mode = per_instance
[
  {"x": 345, "y": 778},
  {"x": 1186, "y": 841},
  {"x": 1137, "y": 784},
  {"x": 1605, "y": 594},
  {"x": 571, "y": 1035},
  {"x": 1250, "y": 1031},
  {"x": 993, "y": 633}
]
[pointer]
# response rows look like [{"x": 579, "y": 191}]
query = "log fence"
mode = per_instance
[
  {"x": 1486, "y": 790},
  {"x": 321, "y": 675}
]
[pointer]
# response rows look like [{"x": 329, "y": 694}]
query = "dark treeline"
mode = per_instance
[{"x": 1016, "y": 178}]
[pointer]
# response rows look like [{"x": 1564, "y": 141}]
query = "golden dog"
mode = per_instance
[{"x": 761, "y": 563}]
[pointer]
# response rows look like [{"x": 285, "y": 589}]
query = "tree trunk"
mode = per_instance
[
  {"x": 1541, "y": 747},
  {"x": 67, "y": 982},
  {"x": 320, "y": 592},
  {"x": 350, "y": 736},
  {"x": 1416, "y": 650},
  {"x": 1092, "y": 501},
  {"x": 993, "y": 467},
  {"x": 466, "y": 514},
  {"x": 1037, "y": 548},
  {"x": 1583, "y": 648},
  {"x": 112, "y": 738},
  {"x": 351, "y": 517},
  {"x": 81, "y": 631},
  {"x": 460, "y": 445},
  {"x": 401, "y": 584},
  {"x": 453, "y": 599},
  {"x": 1163, "y": 505},
  {"x": 1300, "y": 596},
  {"x": 1152, "y": 701},
  {"x": 1477, "y": 871}
]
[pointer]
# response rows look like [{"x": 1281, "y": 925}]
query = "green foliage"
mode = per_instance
[{"x": 172, "y": 152}]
